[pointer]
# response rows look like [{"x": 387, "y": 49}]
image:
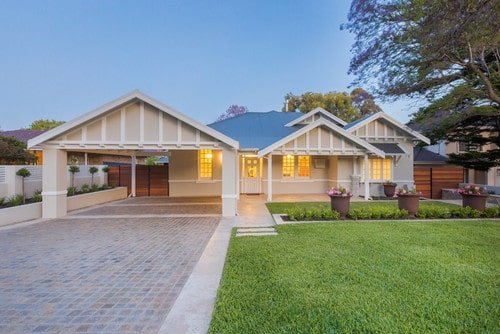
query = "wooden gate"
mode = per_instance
[
  {"x": 430, "y": 180},
  {"x": 149, "y": 180}
]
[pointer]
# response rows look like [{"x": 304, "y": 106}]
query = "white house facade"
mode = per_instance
[{"x": 254, "y": 153}]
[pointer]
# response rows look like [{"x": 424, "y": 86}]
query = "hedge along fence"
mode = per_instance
[{"x": 382, "y": 212}]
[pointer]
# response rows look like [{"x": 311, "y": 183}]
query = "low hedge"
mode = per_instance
[{"x": 384, "y": 212}]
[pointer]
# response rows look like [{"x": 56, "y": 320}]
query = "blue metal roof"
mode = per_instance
[{"x": 257, "y": 130}]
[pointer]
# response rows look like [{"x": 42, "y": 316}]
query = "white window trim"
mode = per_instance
[
  {"x": 295, "y": 175},
  {"x": 382, "y": 179},
  {"x": 204, "y": 179}
]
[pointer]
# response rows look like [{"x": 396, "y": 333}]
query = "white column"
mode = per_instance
[
  {"x": 237, "y": 170},
  {"x": 54, "y": 183},
  {"x": 270, "y": 178},
  {"x": 367, "y": 178},
  {"x": 132, "y": 173},
  {"x": 86, "y": 159},
  {"x": 229, "y": 176}
]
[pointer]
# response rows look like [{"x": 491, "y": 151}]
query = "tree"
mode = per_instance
[
  {"x": 23, "y": 173},
  {"x": 347, "y": 107},
  {"x": 13, "y": 152},
  {"x": 444, "y": 51},
  {"x": 45, "y": 124},
  {"x": 151, "y": 160},
  {"x": 73, "y": 169},
  {"x": 232, "y": 111},
  {"x": 92, "y": 171}
]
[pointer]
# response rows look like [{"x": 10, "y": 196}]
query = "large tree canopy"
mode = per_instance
[
  {"x": 13, "y": 152},
  {"x": 446, "y": 51},
  {"x": 347, "y": 107},
  {"x": 45, "y": 124}
]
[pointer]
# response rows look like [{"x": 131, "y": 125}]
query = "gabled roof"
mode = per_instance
[
  {"x": 315, "y": 124},
  {"x": 22, "y": 134},
  {"x": 256, "y": 130},
  {"x": 423, "y": 155},
  {"x": 389, "y": 148},
  {"x": 382, "y": 115},
  {"x": 134, "y": 95},
  {"x": 315, "y": 111}
]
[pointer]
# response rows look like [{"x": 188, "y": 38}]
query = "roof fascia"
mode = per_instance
[
  {"x": 315, "y": 124},
  {"x": 136, "y": 94},
  {"x": 314, "y": 112},
  {"x": 388, "y": 118}
]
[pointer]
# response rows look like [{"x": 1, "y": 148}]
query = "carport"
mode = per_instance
[{"x": 137, "y": 125}]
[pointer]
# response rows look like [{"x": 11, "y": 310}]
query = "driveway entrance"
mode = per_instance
[{"x": 116, "y": 268}]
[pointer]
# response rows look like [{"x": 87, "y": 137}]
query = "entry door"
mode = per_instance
[{"x": 251, "y": 175}]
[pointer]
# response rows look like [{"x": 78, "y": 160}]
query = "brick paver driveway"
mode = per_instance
[{"x": 99, "y": 274}]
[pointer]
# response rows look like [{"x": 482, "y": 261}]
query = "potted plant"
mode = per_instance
[
  {"x": 408, "y": 199},
  {"x": 340, "y": 200},
  {"x": 473, "y": 196},
  {"x": 389, "y": 188},
  {"x": 23, "y": 173}
]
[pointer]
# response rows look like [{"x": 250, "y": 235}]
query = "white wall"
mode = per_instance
[{"x": 11, "y": 184}]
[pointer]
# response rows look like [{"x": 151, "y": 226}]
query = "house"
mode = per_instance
[
  {"x": 24, "y": 135},
  {"x": 269, "y": 153}
]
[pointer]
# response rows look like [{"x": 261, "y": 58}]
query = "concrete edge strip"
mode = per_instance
[
  {"x": 192, "y": 311},
  {"x": 165, "y": 204},
  {"x": 23, "y": 224},
  {"x": 279, "y": 221},
  {"x": 141, "y": 216}
]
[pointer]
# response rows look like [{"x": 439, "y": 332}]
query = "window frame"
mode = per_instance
[
  {"x": 308, "y": 167},
  {"x": 292, "y": 174},
  {"x": 382, "y": 170},
  {"x": 206, "y": 151}
]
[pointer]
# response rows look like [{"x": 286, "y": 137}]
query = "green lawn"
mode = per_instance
[
  {"x": 352, "y": 277},
  {"x": 279, "y": 207}
]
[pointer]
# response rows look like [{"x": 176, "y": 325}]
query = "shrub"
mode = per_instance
[
  {"x": 2, "y": 201},
  {"x": 16, "y": 200},
  {"x": 94, "y": 187},
  {"x": 37, "y": 196},
  {"x": 71, "y": 191},
  {"x": 85, "y": 188},
  {"x": 466, "y": 212},
  {"x": 92, "y": 171},
  {"x": 433, "y": 211},
  {"x": 377, "y": 212},
  {"x": 493, "y": 212}
]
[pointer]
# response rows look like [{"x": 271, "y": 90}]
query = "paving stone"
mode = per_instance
[{"x": 97, "y": 275}]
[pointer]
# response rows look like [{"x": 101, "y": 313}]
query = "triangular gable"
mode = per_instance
[
  {"x": 359, "y": 126},
  {"x": 286, "y": 143},
  {"x": 148, "y": 122},
  {"x": 319, "y": 112}
]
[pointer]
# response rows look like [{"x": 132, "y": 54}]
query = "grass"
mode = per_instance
[
  {"x": 279, "y": 207},
  {"x": 355, "y": 277}
]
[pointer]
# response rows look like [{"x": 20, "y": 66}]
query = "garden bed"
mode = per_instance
[{"x": 318, "y": 211}]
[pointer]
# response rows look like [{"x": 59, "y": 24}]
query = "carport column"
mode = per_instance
[
  {"x": 132, "y": 175},
  {"x": 367, "y": 178},
  {"x": 54, "y": 183},
  {"x": 229, "y": 179},
  {"x": 270, "y": 178}
]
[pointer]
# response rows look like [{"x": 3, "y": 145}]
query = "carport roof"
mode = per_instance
[{"x": 134, "y": 95}]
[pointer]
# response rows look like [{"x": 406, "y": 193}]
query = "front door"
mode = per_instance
[{"x": 251, "y": 175}]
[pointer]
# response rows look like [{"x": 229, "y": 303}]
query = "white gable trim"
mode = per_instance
[
  {"x": 136, "y": 94},
  {"x": 315, "y": 124},
  {"x": 314, "y": 112},
  {"x": 388, "y": 118}
]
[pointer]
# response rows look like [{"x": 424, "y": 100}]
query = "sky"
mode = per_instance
[{"x": 60, "y": 59}]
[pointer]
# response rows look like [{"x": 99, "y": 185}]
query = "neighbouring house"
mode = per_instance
[
  {"x": 270, "y": 153},
  {"x": 432, "y": 174},
  {"x": 24, "y": 135}
]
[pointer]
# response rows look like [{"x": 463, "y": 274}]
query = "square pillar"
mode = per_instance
[
  {"x": 229, "y": 182},
  {"x": 54, "y": 183},
  {"x": 133, "y": 181},
  {"x": 367, "y": 178},
  {"x": 270, "y": 178}
]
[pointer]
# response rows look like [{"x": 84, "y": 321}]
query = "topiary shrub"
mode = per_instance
[
  {"x": 94, "y": 187},
  {"x": 71, "y": 191}
]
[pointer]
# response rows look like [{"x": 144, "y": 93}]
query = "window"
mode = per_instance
[
  {"x": 303, "y": 166},
  {"x": 288, "y": 166},
  {"x": 205, "y": 160},
  {"x": 467, "y": 147},
  {"x": 380, "y": 169}
]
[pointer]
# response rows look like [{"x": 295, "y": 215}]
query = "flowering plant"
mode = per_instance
[
  {"x": 340, "y": 191},
  {"x": 407, "y": 191},
  {"x": 471, "y": 189}
]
